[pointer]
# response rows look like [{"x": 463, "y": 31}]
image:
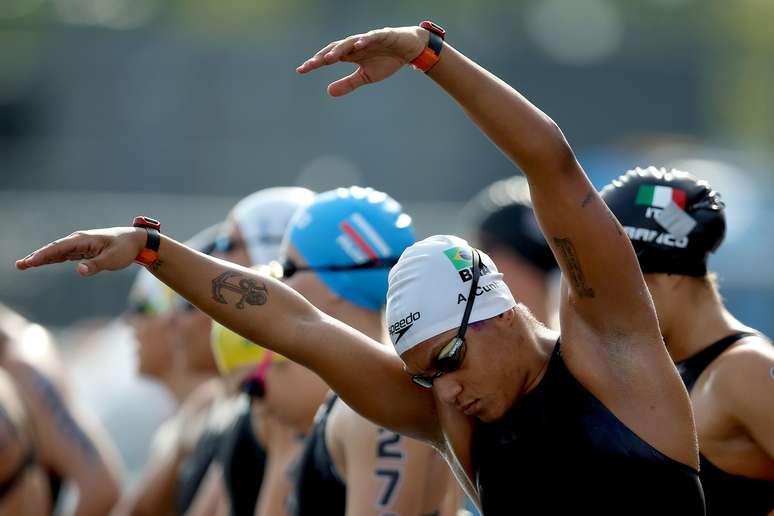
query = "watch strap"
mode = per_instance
[
  {"x": 150, "y": 253},
  {"x": 431, "y": 54}
]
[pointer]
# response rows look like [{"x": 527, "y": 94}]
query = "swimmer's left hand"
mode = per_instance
[
  {"x": 97, "y": 250},
  {"x": 378, "y": 54}
]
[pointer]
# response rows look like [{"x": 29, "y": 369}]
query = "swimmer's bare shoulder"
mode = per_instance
[{"x": 740, "y": 384}]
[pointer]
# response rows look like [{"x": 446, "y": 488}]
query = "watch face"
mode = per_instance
[
  {"x": 146, "y": 222},
  {"x": 432, "y": 27}
]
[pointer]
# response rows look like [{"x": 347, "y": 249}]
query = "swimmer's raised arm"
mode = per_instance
[
  {"x": 267, "y": 312},
  {"x": 598, "y": 262}
]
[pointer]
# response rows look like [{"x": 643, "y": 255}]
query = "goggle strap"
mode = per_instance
[
  {"x": 473, "y": 286},
  {"x": 382, "y": 263}
]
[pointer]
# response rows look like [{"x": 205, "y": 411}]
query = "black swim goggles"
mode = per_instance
[
  {"x": 452, "y": 354},
  {"x": 225, "y": 244},
  {"x": 141, "y": 308},
  {"x": 288, "y": 267}
]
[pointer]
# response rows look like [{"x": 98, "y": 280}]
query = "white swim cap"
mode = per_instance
[
  {"x": 263, "y": 216},
  {"x": 429, "y": 287}
]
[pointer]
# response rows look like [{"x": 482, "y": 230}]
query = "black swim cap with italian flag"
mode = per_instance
[{"x": 673, "y": 220}]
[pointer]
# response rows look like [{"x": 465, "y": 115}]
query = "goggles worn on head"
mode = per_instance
[
  {"x": 141, "y": 308},
  {"x": 255, "y": 384},
  {"x": 287, "y": 268},
  {"x": 452, "y": 354}
]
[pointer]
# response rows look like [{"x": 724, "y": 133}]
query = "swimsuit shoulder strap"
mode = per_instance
[{"x": 691, "y": 368}]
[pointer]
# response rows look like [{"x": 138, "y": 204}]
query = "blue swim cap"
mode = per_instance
[{"x": 350, "y": 226}]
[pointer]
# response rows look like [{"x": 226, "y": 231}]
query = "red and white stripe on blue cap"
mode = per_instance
[{"x": 360, "y": 240}]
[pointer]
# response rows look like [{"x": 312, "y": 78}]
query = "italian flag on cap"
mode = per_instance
[{"x": 660, "y": 196}]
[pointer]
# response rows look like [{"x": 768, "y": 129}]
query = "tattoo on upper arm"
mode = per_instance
[
  {"x": 573, "y": 267},
  {"x": 614, "y": 222},
  {"x": 248, "y": 288},
  {"x": 61, "y": 413},
  {"x": 589, "y": 197}
]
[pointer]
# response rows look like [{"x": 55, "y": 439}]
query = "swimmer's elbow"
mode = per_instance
[{"x": 549, "y": 157}]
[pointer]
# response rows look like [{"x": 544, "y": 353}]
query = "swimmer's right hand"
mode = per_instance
[{"x": 96, "y": 250}]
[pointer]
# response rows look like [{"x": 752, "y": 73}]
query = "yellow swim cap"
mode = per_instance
[{"x": 232, "y": 351}]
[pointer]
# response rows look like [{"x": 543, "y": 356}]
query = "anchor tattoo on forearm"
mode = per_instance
[{"x": 252, "y": 293}]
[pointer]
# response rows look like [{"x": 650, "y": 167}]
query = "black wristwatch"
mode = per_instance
[
  {"x": 150, "y": 252},
  {"x": 431, "y": 54}
]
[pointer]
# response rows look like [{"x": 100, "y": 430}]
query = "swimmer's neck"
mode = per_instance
[
  {"x": 545, "y": 341},
  {"x": 182, "y": 383},
  {"x": 538, "y": 301},
  {"x": 699, "y": 325},
  {"x": 534, "y": 344}
]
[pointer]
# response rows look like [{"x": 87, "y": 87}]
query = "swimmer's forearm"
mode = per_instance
[
  {"x": 268, "y": 313},
  {"x": 522, "y": 131},
  {"x": 257, "y": 307},
  {"x": 273, "y": 315},
  {"x": 572, "y": 215}
]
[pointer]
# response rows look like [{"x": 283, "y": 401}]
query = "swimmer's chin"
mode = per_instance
[
  {"x": 488, "y": 414},
  {"x": 486, "y": 418}
]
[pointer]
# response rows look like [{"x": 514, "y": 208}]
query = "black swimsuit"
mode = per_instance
[
  {"x": 319, "y": 490},
  {"x": 559, "y": 450},
  {"x": 243, "y": 459},
  {"x": 194, "y": 468},
  {"x": 726, "y": 494}
]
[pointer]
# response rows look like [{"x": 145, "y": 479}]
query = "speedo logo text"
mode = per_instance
[{"x": 400, "y": 327}]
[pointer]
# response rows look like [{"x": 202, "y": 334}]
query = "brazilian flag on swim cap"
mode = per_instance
[
  {"x": 460, "y": 257},
  {"x": 349, "y": 226}
]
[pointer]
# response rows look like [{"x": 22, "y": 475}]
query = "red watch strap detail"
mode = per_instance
[
  {"x": 141, "y": 221},
  {"x": 430, "y": 55},
  {"x": 150, "y": 253},
  {"x": 147, "y": 257},
  {"x": 426, "y": 60}
]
